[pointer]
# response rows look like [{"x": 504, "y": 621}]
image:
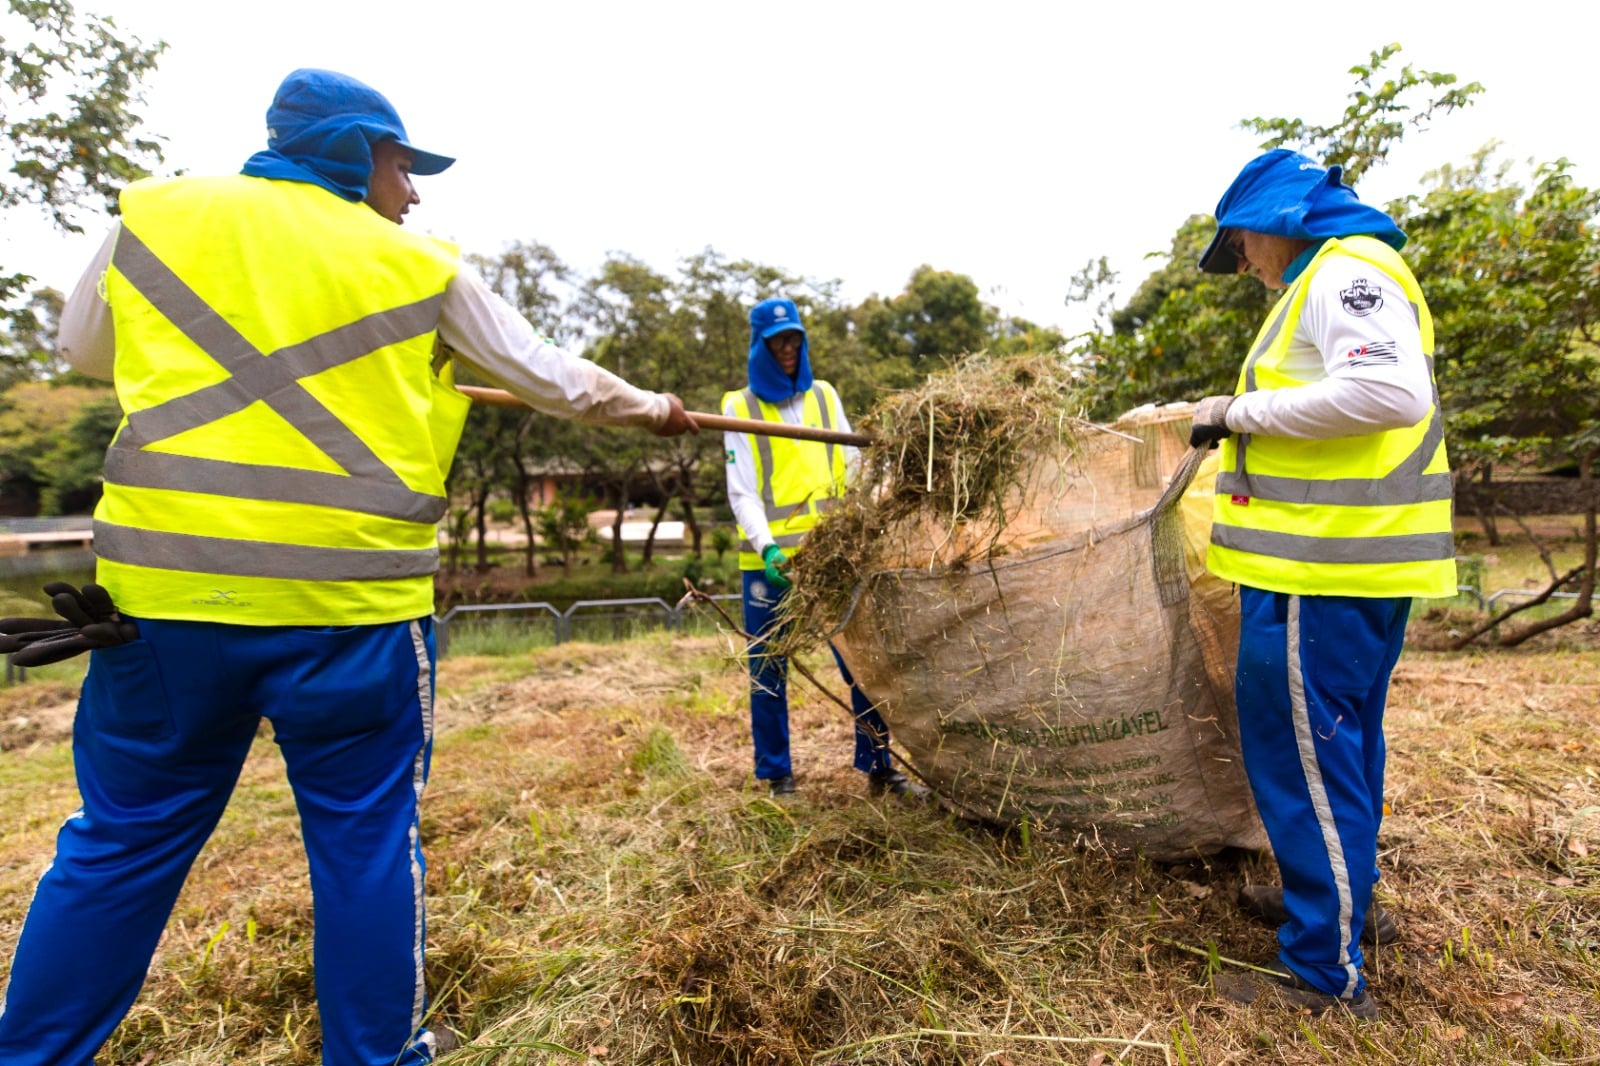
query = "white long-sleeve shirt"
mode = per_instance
[
  {"x": 487, "y": 333},
  {"x": 1363, "y": 364},
  {"x": 744, "y": 490}
]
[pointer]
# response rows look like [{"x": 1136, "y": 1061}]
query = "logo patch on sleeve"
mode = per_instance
[
  {"x": 1374, "y": 353},
  {"x": 1361, "y": 298},
  {"x": 730, "y": 456}
]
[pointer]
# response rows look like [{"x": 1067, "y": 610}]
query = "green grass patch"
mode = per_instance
[{"x": 606, "y": 884}]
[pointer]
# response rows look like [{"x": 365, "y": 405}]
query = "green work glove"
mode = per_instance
[{"x": 776, "y": 561}]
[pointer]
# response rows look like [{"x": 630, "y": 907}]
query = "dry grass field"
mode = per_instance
[{"x": 608, "y": 886}]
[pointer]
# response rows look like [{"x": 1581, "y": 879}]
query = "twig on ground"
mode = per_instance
[
  {"x": 968, "y": 1034},
  {"x": 1207, "y": 955}
]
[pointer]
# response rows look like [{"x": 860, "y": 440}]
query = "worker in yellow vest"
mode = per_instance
[
  {"x": 778, "y": 489},
  {"x": 1332, "y": 511},
  {"x": 268, "y": 535}
]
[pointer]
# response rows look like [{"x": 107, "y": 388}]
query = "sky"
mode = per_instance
[{"x": 1009, "y": 141}]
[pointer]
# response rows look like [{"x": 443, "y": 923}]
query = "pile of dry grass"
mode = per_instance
[
  {"x": 607, "y": 887},
  {"x": 951, "y": 453}
]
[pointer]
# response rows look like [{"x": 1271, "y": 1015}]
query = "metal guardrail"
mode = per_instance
[
  {"x": 623, "y": 616},
  {"x": 499, "y": 614},
  {"x": 588, "y": 613},
  {"x": 620, "y": 617}
]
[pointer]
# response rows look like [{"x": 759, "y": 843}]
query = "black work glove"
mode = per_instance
[
  {"x": 1210, "y": 421},
  {"x": 91, "y": 621}
]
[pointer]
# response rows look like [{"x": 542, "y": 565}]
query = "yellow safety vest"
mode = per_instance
[
  {"x": 285, "y": 440},
  {"x": 801, "y": 480},
  {"x": 1366, "y": 515}
]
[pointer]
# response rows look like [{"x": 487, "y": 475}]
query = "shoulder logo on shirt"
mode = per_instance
[
  {"x": 730, "y": 456},
  {"x": 1374, "y": 353},
  {"x": 1361, "y": 298}
]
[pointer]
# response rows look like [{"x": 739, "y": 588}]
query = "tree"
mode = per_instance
[
  {"x": 28, "y": 350},
  {"x": 77, "y": 458},
  {"x": 529, "y": 276},
  {"x": 1513, "y": 281},
  {"x": 938, "y": 316},
  {"x": 1018, "y": 336},
  {"x": 1512, "y": 276},
  {"x": 52, "y": 440},
  {"x": 564, "y": 525},
  {"x": 1180, "y": 336},
  {"x": 630, "y": 308},
  {"x": 1183, "y": 334},
  {"x": 713, "y": 301},
  {"x": 68, "y": 134},
  {"x": 490, "y": 459},
  {"x": 1374, "y": 121}
]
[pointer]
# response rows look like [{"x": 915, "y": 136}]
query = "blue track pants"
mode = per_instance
[
  {"x": 163, "y": 728},
  {"x": 1311, "y": 685},
  {"x": 769, "y": 693}
]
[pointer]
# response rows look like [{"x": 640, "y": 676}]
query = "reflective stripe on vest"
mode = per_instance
[
  {"x": 1365, "y": 516},
  {"x": 257, "y": 558},
  {"x": 789, "y": 520},
  {"x": 368, "y": 485}
]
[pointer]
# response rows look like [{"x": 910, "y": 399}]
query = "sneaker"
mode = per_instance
[
  {"x": 1266, "y": 903},
  {"x": 1290, "y": 990},
  {"x": 894, "y": 783},
  {"x": 782, "y": 786}
]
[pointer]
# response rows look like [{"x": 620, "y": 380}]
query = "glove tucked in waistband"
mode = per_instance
[{"x": 91, "y": 621}]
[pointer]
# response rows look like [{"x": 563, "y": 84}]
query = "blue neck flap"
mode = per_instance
[
  {"x": 767, "y": 379},
  {"x": 321, "y": 128},
  {"x": 1285, "y": 194}
]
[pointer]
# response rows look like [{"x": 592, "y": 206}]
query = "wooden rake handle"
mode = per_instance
[{"x": 502, "y": 398}]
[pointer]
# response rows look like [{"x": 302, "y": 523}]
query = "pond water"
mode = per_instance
[{"x": 21, "y": 593}]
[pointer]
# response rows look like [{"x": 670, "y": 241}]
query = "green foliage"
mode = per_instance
[
  {"x": 564, "y": 526},
  {"x": 658, "y": 755},
  {"x": 77, "y": 456},
  {"x": 28, "y": 340},
  {"x": 1183, "y": 334},
  {"x": 940, "y": 315},
  {"x": 68, "y": 138},
  {"x": 526, "y": 274},
  {"x": 687, "y": 332},
  {"x": 1375, "y": 119},
  {"x": 1513, "y": 281},
  {"x": 498, "y": 635},
  {"x": 52, "y": 441},
  {"x": 1511, "y": 273},
  {"x": 1018, "y": 336}
]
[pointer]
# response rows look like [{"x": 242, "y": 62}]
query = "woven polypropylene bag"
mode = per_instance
[{"x": 1081, "y": 682}]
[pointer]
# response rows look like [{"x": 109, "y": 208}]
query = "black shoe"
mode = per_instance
[
  {"x": 1290, "y": 990},
  {"x": 1266, "y": 903},
  {"x": 782, "y": 786},
  {"x": 445, "y": 1040},
  {"x": 894, "y": 783}
]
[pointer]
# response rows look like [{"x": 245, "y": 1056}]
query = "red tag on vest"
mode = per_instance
[{"x": 1240, "y": 501}]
